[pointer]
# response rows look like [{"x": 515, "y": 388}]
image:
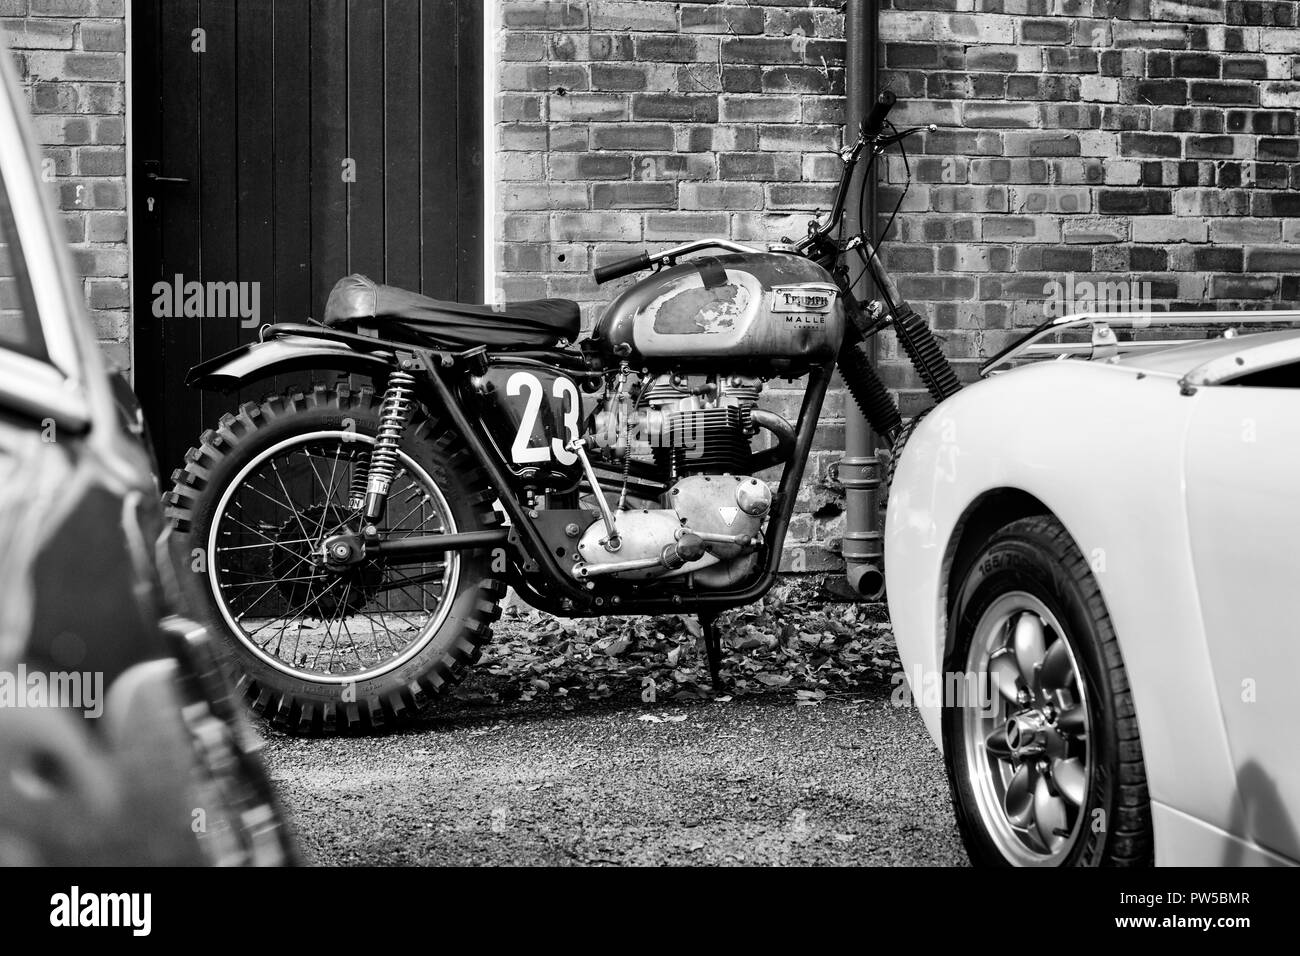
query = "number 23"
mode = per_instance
[{"x": 524, "y": 453}]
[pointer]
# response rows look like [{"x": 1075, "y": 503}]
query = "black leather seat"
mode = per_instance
[{"x": 542, "y": 323}]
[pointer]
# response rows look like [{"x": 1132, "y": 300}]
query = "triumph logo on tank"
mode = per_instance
[
  {"x": 803, "y": 299},
  {"x": 208, "y": 300},
  {"x": 72, "y": 690}
]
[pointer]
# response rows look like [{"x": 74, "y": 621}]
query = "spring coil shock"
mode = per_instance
[
  {"x": 357, "y": 487},
  {"x": 394, "y": 415}
]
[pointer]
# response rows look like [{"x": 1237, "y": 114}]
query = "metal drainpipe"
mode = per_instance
[{"x": 859, "y": 469}]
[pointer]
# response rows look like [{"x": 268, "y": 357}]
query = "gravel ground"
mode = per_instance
[{"x": 850, "y": 781}]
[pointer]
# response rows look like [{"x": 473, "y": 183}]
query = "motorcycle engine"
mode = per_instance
[
  {"x": 707, "y": 426},
  {"x": 697, "y": 430}
]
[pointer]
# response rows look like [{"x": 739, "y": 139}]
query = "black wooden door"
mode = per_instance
[{"x": 280, "y": 145}]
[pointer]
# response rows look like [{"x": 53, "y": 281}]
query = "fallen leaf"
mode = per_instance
[
  {"x": 690, "y": 691},
  {"x": 783, "y": 643}
]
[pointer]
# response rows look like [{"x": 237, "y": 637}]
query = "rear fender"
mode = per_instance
[{"x": 281, "y": 356}]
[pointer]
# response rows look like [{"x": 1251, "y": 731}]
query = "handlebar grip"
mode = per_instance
[
  {"x": 624, "y": 267},
  {"x": 875, "y": 121}
]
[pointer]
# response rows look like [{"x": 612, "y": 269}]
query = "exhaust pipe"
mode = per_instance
[{"x": 781, "y": 430}]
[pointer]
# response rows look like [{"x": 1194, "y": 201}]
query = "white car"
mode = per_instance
[{"x": 1094, "y": 573}]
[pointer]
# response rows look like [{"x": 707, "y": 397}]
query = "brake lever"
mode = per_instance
[{"x": 886, "y": 141}]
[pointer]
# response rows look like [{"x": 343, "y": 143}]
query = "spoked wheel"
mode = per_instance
[
  {"x": 285, "y": 561},
  {"x": 1027, "y": 751},
  {"x": 1047, "y": 769},
  {"x": 325, "y": 636}
]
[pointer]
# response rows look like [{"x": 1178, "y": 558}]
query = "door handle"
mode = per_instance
[{"x": 175, "y": 180}]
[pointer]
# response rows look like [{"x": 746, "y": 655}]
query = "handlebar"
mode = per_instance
[
  {"x": 624, "y": 267},
  {"x": 875, "y": 120},
  {"x": 668, "y": 257}
]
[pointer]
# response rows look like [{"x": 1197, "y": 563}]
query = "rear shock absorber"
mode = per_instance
[
  {"x": 394, "y": 415},
  {"x": 360, "y": 478}
]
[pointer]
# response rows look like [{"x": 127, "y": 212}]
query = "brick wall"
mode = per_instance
[
  {"x": 626, "y": 126},
  {"x": 1087, "y": 142},
  {"x": 72, "y": 62},
  {"x": 1091, "y": 153},
  {"x": 1082, "y": 141}
]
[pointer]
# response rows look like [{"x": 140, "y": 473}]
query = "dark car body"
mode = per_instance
[{"x": 119, "y": 740}]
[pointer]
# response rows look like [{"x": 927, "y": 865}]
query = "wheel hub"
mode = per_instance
[
  {"x": 342, "y": 550},
  {"x": 325, "y": 574},
  {"x": 1027, "y": 733}
]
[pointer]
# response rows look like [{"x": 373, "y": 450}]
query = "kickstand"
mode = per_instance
[{"x": 713, "y": 644}]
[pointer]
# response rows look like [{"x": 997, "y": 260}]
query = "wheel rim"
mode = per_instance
[
  {"x": 1028, "y": 749},
  {"x": 283, "y": 606}
]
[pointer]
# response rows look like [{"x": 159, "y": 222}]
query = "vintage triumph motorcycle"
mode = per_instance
[{"x": 353, "y": 543}]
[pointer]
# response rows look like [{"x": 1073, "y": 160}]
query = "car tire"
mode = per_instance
[
  {"x": 1046, "y": 768},
  {"x": 896, "y": 451}
]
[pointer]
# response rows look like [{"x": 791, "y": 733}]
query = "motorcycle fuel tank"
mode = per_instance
[{"x": 776, "y": 310}]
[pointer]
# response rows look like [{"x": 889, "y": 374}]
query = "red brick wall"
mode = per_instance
[
  {"x": 1092, "y": 141},
  {"x": 72, "y": 62}
]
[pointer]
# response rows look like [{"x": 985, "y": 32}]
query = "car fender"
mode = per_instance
[{"x": 1103, "y": 448}]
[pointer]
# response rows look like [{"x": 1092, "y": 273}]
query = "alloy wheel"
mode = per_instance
[{"x": 1028, "y": 748}]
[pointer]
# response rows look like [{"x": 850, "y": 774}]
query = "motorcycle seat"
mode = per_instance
[{"x": 357, "y": 301}]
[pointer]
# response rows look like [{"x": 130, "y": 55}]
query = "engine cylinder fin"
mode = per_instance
[{"x": 705, "y": 441}]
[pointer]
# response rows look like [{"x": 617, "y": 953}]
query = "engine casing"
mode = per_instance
[
  {"x": 771, "y": 311},
  {"x": 725, "y": 514}
]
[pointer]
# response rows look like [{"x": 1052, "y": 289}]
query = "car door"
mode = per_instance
[
  {"x": 39, "y": 398},
  {"x": 1242, "y": 469}
]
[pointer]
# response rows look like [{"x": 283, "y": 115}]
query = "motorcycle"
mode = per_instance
[{"x": 353, "y": 544}]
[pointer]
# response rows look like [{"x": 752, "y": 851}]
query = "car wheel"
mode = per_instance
[
  {"x": 1044, "y": 762},
  {"x": 896, "y": 450}
]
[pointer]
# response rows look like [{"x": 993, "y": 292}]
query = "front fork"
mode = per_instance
[
  {"x": 915, "y": 339},
  {"x": 864, "y": 382}
]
